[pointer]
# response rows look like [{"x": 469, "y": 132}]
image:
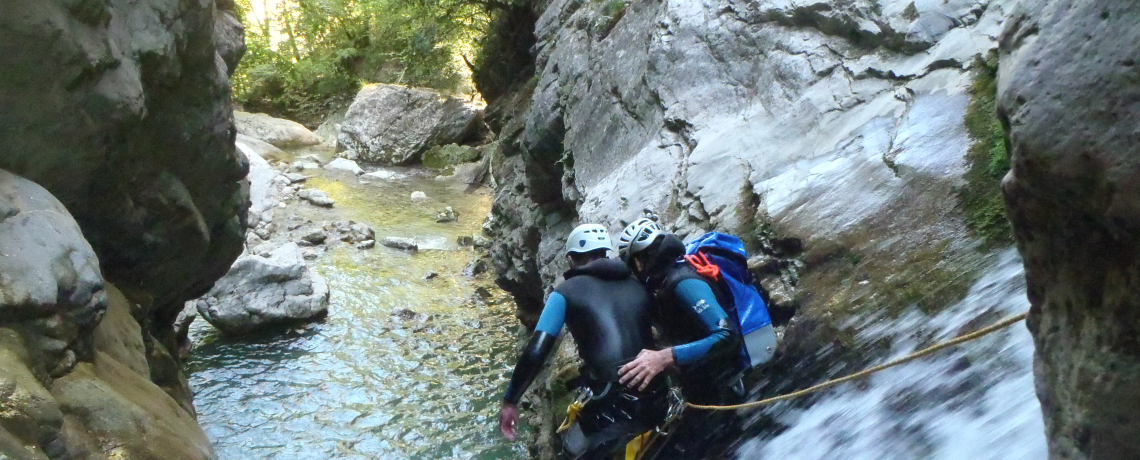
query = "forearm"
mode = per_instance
[{"x": 530, "y": 363}]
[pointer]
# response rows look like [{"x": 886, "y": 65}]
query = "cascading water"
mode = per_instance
[{"x": 973, "y": 402}]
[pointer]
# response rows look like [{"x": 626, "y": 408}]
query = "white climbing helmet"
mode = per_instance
[
  {"x": 588, "y": 237},
  {"x": 638, "y": 236}
]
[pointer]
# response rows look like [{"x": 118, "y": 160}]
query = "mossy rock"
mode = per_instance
[{"x": 444, "y": 156}]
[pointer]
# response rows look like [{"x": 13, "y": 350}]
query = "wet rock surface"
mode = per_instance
[
  {"x": 73, "y": 361},
  {"x": 394, "y": 125},
  {"x": 263, "y": 292},
  {"x": 828, "y": 135},
  {"x": 1070, "y": 98},
  {"x": 126, "y": 119}
]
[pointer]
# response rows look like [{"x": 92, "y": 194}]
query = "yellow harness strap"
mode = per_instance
[
  {"x": 634, "y": 447},
  {"x": 571, "y": 415}
]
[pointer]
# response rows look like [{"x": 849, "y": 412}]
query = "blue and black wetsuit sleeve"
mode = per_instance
[
  {"x": 539, "y": 347},
  {"x": 717, "y": 337}
]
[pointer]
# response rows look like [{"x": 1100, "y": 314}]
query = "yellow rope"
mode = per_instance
[{"x": 905, "y": 359}]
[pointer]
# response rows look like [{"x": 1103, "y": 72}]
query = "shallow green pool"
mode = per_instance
[{"x": 365, "y": 383}]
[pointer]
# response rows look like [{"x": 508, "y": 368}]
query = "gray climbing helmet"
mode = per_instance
[
  {"x": 587, "y": 238},
  {"x": 638, "y": 236}
]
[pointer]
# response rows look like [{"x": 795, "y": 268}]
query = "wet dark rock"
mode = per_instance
[
  {"x": 475, "y": 268},
  {"x": 409, "y": 316},
  {"x": 395, "y": 242},
  {"x": 1069, "y": 97},
  {"x": 447, "y": 215},
  {"x": 430, "y": 276},
  {"x": 315, "y": 237},
  {"x": 464, "y": 241}
]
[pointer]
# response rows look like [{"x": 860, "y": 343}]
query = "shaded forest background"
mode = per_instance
[{"x": 307, "y": 59}]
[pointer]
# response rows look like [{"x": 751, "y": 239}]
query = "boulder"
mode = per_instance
[
  {"x": 1069, "y": 91},
  {"x": 418, "y": 197},
  {"x": 341, "y": 164},
  {"x": 395, "y": 242},
  {"x": 316, "y": 197},
  {"x": 448, "y": 214},
  {"x": 394, "y": 125},
  {"x": 265, "y": 292},
  {"x": 276, "y": 131},
  {"x": 73, "y": 360}
]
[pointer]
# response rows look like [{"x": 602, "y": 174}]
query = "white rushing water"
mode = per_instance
[{"x": 974, "y": 402}]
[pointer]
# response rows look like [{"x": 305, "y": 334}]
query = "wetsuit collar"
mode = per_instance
[{"x": 605, "y": 269}]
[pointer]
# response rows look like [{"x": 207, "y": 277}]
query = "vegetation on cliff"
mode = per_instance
[{"x": 988, "y": 159}]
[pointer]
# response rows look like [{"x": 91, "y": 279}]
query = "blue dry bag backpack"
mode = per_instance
[{"x": 726, "y": 252}]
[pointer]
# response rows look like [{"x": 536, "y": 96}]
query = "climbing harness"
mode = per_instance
[
  {"x": 905, "y": 359},
  {"x": 585, "y": 394}
]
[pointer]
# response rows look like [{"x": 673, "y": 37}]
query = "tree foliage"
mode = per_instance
[{"x": 310, "y": 57}]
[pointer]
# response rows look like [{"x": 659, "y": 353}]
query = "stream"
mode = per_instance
[{"x": 367, "y": 383}]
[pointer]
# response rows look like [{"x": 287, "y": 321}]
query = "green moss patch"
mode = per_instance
[{"x": 988, "y": 159}]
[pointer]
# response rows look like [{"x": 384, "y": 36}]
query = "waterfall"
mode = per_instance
[{"x": 972, "y": 402}]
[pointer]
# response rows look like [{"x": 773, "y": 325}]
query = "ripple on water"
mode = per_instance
[{"x": 363, "y": 384}]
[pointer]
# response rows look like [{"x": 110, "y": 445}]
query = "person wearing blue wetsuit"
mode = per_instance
[
  {"x": 705, "y": 342},
  {"x": 608, "y": 313}
]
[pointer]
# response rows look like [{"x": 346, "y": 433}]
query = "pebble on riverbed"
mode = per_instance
[
  {"x": 418, "y": 197},
  {"x": 447, "y": 215}
]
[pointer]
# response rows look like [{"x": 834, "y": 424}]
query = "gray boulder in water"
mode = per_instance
[
  {"x": 263, "y": 292},
  {"x": 394, "y": 125},
  {"x": 276, "y": 131}
]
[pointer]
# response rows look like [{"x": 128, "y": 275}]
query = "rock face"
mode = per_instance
[
  {"x": 394, "y": 125},
  {"x": 837, "y": 124},
  {"x": 127, "y": 120},
  {"x": 122, "y": 111},
  {"x": 828, "y": 134},
  {"x": 276, "y": 131},
  {"x": 261, "y": 292},
  {"x": 1068, "y": 89},
  {"x": 73, "y": 364}
]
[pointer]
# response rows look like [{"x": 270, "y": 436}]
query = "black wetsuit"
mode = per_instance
[{"x": 609, "y": 315}]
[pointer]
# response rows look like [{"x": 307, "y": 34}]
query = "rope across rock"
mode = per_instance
[{"x": 1004, "y": 323}]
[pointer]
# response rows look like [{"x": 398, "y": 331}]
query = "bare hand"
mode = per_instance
[
  {"x": 639, "y": 372},
  {"x": 508, "y": 418}
]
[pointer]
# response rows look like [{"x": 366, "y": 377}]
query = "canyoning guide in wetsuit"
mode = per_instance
[
  {"x": 705, "y": 342},
  {"x": 608, "y": 313}
]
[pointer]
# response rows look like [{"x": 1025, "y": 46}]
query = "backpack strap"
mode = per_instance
[{"x": 701, "y": 264}]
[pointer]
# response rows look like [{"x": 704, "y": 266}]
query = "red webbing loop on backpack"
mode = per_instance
[{"x": 703, "y": 267}]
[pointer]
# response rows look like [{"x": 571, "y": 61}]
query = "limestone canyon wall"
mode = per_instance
[
  {"x": 829, "y": 134},
  {"x": 120, "y": 110},
  {"x": 1069, "y": 91}
]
